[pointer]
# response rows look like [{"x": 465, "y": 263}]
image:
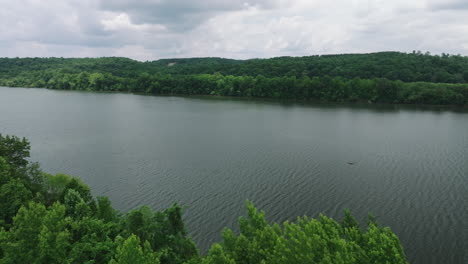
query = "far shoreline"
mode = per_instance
[{"x": 355, "y": 104}]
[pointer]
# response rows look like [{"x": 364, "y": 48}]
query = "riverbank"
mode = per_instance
[{"x": 302, "y": 102}]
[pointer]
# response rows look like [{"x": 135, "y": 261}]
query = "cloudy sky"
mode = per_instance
[{"x": 153, "y": 29}]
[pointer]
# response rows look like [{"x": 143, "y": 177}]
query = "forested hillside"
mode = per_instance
[
  {"x": 54, "y": 219},
  {"x": 386, "y": 77}
]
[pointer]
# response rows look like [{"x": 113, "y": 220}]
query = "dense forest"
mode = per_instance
[
  {"x": 386, "y": 77},
  {"x": 51, "y": 219}
]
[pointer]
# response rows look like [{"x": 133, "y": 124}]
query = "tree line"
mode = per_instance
[
  {"x": 406, "y": 67},
  {"x": 385, "y": 77},
  {"x": 327, "y": 88},
  {"x": 47, "y": 218}
]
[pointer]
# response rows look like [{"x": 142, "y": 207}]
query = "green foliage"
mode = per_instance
[
  {"x": 20, "y": 244},
  {"x": 54, "y": 186},
  {"x": 130, "y": 251},
  {"x": 19, "y": 180},
  {"x": 5, "y": 174},
  {"x": 13, "y": 195},
  {"x": 349, "y": 221},
  {"x": 382, "y": 246},
  {"x": 54, "y": 219},
  {"x": 14, "y": 150},
  {"x": 75, "y": 205},
  {"x": 407, "y": 67},
  {"x": 93, "y": 240},
  {"x": 386, "y": 77},
  {"x": 217, "y": 255},
  {"x": 56, "y": 183},
  {"x": 165, "y": 231},
  {"x": 105, "y": 211},
  {"x": 321, "y": 240},
  {"x": 54, "y": 238},
  {"x": 78, "y": 186}
]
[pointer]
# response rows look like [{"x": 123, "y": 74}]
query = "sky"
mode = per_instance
[{"x": 240, "y": 29}]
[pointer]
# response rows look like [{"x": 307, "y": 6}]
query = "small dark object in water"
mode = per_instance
[{"x": 351, "y": 163}]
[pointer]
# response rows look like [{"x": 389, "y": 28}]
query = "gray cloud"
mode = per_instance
[
  {"x": 152, "y": 29},
  {"x": 179, "y": 14},
  {"x": 448, "y": 4}
]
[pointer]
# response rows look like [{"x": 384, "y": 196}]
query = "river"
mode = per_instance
[{"x": 406, "y": 165}]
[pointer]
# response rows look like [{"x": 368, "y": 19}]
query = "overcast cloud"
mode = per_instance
[{"x": 153, "y": 29}]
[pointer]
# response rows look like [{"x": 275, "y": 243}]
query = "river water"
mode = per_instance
[{"x": 406, "y": 165}]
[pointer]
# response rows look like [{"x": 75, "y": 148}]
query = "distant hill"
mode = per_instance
[
  {"x": 412, "y": 67},
  {"x": 407, "y": 67}
]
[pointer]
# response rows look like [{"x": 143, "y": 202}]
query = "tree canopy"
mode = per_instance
[{"x": 385, "y": 77}]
